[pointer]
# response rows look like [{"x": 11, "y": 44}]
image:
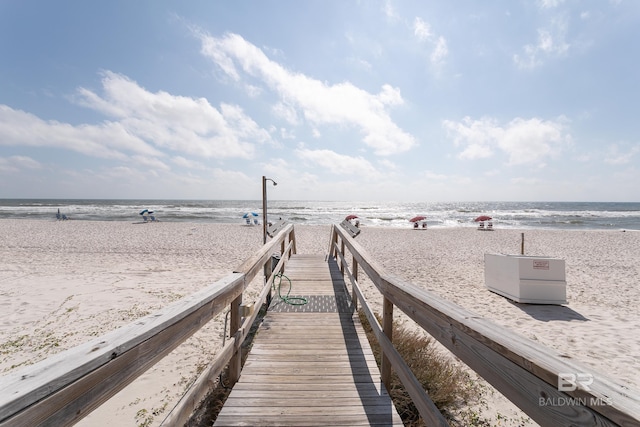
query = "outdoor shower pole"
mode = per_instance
[{"x": 264, "y": 207}]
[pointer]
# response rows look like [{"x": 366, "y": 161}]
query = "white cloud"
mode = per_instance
[
  {"x": 360, "y": 63},
  {"x": 615, "y": 155},
  {"x": 549, "y": 4},
  {"x": 107, "y": 140},
  {"x": 389, "y": 10},
  {"x": 186, "y": 163},
  {"x": 523, "y": 141},
  {"x": 177, "y": 123},
  {"x": 287, "y": 133},
  {"x": 551, "y": 43},
  {"x": 338, "y": 164},
  {"x": 321, "y": 104},
  {"x": 230, "y": 178},
  {"x": 286, "y": 112},
  {"x": 143, "y": 125},
  {"x": 150, "y": 162},
  {"x": 440, "y": 52},
  {"x": 432, "y": 176},
  {"x": 253, "y": 91},
  {"x": 387, "y": 165},
  {"x": 477, "y": 135},
  {"x": 422, "y": 31},
  {"x": 15, "y": 163},
  {"x": 522, "y": 181}
]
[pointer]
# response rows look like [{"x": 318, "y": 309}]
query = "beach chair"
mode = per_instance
[
  {"x": 350, "y": 228},
  {"x": 273, "y": 229},
  {"x": 152, "y": 218},
  {"x": 424, "y": 224},
  {"x": 489, "y": 225},
  {"x": 60, "y": 217},
  {"x": 481, "y": 226},
  {"x": 145, "y": 218}
]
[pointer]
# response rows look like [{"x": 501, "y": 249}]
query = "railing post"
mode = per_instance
[
  {"x": 387, "y": 328},
  {"x": 342, "y": 252},
  {"x": 235, "y": 364},
  {"x": 354, "y": 297},
  {"x": 292, "y": 238},
  {"x": 332, "y": 240},
  {"x": 268, "y": 271}
]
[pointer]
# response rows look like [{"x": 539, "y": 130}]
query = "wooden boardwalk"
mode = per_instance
[{"x": 310, "y": 364}]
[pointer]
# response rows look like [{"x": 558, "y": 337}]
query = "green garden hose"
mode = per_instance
[{"x": 287, "y": 299}]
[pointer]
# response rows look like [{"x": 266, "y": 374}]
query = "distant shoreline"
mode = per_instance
[
  {"x": 362, "y": 226},
  {"x": 506, "y": 215}
]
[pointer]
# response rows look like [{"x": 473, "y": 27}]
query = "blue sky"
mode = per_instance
[{"x": 335, "y": 100}]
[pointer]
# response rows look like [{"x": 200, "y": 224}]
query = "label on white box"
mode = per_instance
[{"x": 541, "y": 265}]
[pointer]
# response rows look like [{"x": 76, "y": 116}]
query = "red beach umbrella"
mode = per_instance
[
  {"x": 350, "y": 217},
  {"x": 483, "y": 218},
  {"x": 418, "y": 218}
]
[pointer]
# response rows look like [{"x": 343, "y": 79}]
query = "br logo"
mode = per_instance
[{"x": 570, "y": 381}]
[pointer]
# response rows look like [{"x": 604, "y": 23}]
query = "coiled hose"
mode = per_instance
[{"x": 286, "y": 298}]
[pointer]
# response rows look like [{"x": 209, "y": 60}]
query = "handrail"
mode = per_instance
[
  {"x": 524, "y": 371},
  {"x": 64, "y": 388},
  {"x": 425, "y": 405}
]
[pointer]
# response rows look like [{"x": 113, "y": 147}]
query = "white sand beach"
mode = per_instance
[{"x": 64, "y": 283}]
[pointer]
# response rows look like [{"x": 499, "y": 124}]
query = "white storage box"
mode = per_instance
[{"x": 526, "y": 279}]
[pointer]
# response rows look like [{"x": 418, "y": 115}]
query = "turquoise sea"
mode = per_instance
[{"x": 551, "y": 215}]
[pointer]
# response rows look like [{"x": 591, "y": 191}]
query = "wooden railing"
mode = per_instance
[
  {"x": 526, "y": 372},
  {"x": 64, "y": 388}
]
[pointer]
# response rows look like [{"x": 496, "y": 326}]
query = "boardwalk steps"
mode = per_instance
[{"x": 311, "y": 364}]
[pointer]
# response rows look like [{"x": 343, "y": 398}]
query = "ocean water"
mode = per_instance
[{"x": 550, "y": 215}]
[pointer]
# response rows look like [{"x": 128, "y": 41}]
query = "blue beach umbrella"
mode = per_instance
[
  {"x": 144, "y": 211},
  {"x": 249, "y": 214}
]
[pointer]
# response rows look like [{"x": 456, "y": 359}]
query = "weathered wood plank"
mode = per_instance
[
  {"x": 295, "y": 367},
  {"x": 303, "y": 354},
  {"x": 320, "y": 419},
  {"x": 350, "y": 386},
  {"x": 310, "y": 392},
  {"x": 310, "y": 409},
  {"x": 310, "y": 368}
]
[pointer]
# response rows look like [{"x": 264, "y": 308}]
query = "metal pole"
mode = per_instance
[
  {"x": 264, "y": 209},
  {"x": 264, "y": 206}
]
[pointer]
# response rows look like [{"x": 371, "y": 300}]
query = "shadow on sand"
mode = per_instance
[{"x": 549, "y": 313}]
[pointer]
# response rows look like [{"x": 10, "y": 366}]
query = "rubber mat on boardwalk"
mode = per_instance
[{"x": 339, "y": 303}]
